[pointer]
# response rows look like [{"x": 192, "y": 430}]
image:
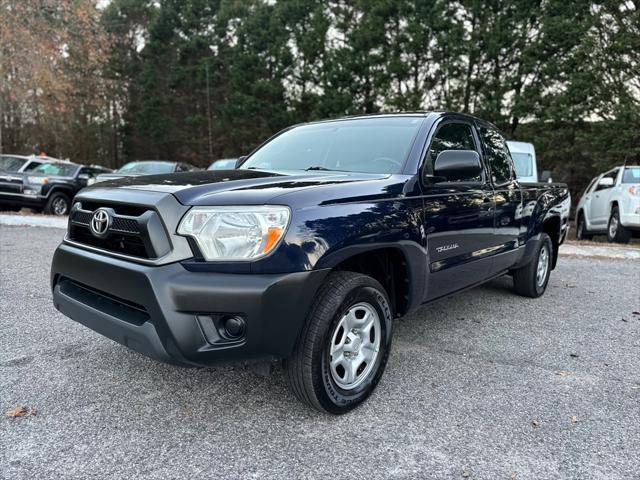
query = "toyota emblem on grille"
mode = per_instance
[{"x": 100, "y": 222}]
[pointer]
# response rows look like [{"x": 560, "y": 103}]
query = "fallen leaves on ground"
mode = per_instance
[
  {"x": 563, "y": 373},
  {"x": 19, "y": 411},
  {"x": 574, "y": 419},
  {"x": 535, "y": 423}
]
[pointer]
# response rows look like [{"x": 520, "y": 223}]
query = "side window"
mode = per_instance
[
  {"x": 450, "y": 136},
  {"x": 497, "y": 155},
  {"x": 30, "y": 166},
  {"x": 612, "y": 175},
  {"x": 588, "y": 189}
]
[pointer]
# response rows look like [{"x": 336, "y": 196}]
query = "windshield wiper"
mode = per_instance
[{"x": 318, "y": 167}]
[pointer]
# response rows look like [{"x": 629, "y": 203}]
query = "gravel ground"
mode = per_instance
[{"x": 481, "y": 385}]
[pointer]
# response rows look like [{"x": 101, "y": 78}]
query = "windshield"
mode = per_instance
[
  {"x": 523, "y": 163},
  {"x": 59, "y": 169},
  {"x": 147, "y": 167},
  {"x": 631, "y": 175},
  {"x": 371, "y": 145},
  {"x": 11, "y": 164}
]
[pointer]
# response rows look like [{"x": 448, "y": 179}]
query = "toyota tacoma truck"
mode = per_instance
[{"x": 309, "y": 249}]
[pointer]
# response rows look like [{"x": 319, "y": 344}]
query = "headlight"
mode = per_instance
[
  {"x": 235, "y": 233},
  {"x": 38, "y": 180}
]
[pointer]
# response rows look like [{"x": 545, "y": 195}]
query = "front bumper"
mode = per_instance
[{"x": 169, "y": 314}]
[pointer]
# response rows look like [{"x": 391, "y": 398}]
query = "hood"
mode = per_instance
[
  {"x": 114, "y": 176},
  {"x": 229, "y": 187}
]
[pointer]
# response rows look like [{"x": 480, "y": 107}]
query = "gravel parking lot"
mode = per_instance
[{"x": 482, "y": 385}]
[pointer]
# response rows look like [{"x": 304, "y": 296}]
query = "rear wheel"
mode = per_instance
[
  {"x": 616, "y": 232},
  {"x": 581, "y": 229},
  {"x": 344, "y": 346},
  {"x": 532, "y": 279},
  {"x": 58, "y": 204}
]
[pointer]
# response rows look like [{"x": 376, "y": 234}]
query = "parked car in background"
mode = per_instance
[
  {"x": 524, "y": 159},
  {"x": 223, "y": 164},
  {"x": 147, "y": 167},
  {"x": 49, "y": 187},
  {"x": 611, "y": 205},
  {"x": 21, "y": 163},
  {"x": 309, "y": 249}
]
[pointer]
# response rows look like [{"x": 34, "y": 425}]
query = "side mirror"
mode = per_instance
[
  {"x": 240, "y": 160},
  {"x": 457, "y": 165},
  {"x": 605, "y": 182},
  {"x": 83, "y": 176}
]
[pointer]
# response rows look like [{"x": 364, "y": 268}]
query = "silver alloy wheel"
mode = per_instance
[
  {"x": 355, "y": 345},
  {"x": 543, "y": 265},
  {"x": 613, "y": 226},
  {"x": 59, "y": 206}
]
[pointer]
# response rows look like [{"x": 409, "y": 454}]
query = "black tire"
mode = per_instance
[
  {"x": 581, "y": 228},
  {"x": 616, "y": 232},
  {"x": 58, "y": 204},
  {"x": 525, "y": 280},
  {"x": 308, "y": 370}
]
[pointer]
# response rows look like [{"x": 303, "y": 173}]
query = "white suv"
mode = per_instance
[{"x": 611, "y": 205}]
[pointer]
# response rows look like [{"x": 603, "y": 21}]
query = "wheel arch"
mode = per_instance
[
  {"x": 68, "y": 191},
  {"x": 396, "y": 268},
  {"x": 552, "y": 226}
]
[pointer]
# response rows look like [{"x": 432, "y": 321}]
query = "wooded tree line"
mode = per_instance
[{"x": 197, "y": 80}]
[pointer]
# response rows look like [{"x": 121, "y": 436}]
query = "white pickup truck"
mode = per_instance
[{"x": 611, "y": 205}]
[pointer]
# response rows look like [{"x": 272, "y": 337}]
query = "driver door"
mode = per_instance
[
  {"x": 458, "y": 216},
  {"x": 600, "y": 201}
]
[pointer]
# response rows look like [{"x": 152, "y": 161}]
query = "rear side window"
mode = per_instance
[
  {"x": 31, "y": 165},
  {"x": 497, "y": 155},
  {"x": 451, "y": 136}
]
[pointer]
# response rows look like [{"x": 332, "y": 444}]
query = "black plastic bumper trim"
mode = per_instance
[{"x": 107, "y": 291}]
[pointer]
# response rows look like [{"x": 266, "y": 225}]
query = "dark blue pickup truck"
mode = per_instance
[{"x": 309, "y": 249}]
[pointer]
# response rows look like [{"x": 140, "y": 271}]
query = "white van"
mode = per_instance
[{"x": 524, "y": 158}]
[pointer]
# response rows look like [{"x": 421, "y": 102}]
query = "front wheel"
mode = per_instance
[
  {"x": 532, "y": 279},
  {"x": 58, "y": 204},
  {"x": 581, "y": 229},
  {"x": 616, "y": 232},
  {"x": 344, "y": 346}
]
